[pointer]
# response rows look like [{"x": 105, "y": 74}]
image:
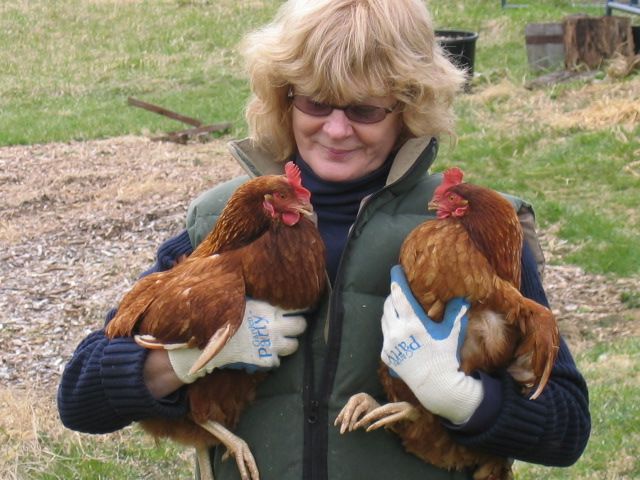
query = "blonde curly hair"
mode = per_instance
[{"x": 342, "y": 51}]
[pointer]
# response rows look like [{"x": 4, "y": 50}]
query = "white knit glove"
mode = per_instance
[
  {"x": 425, "y": 354},
  {"x": 266, "y": 334}
]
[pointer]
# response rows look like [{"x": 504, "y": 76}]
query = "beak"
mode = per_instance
[
  {"x": 305, "y": 209},
  {"x": 433, "y": 205}
]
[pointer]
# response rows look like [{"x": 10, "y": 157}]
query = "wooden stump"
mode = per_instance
[{"x": 591, "y": 40}]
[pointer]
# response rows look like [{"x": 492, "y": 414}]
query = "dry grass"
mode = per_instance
[
  {"x": 594, "y": 106},
  {"x": 36, "y": 445},
  {"x": 19, "y": 424},
  {"x": 615, "y": 105}
]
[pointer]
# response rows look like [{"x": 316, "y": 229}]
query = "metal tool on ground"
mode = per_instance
[{"x": 198, "y": 130}]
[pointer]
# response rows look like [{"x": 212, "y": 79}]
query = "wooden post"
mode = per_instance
[{"x": 591, "y": 40}]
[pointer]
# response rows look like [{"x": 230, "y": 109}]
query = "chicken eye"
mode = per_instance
[
  {"x": 281, "y": 195},
  {"x": 452, "y": 197}
]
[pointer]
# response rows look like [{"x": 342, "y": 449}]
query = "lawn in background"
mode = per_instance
[{"x": 571, "y": 149}]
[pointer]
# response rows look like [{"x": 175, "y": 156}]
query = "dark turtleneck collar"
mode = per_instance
[{"x": 337, "y": 205}]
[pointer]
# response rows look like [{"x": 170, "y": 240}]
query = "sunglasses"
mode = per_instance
[{"x": 356, "y": 113}]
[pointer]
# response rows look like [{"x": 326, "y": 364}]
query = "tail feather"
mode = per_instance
[
  {"x": 540, "y": 340},
  {"x": 538, "y": 331}
]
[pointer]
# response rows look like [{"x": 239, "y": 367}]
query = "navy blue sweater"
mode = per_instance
[{"x": 102, "y": 388}]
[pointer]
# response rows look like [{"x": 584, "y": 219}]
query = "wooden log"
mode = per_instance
[
  {"x": 589, "y": 41},
  {"x": 559, "y": 77}
]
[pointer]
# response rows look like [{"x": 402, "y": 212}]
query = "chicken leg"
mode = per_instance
[
  {"x": 236, "y": 447},
  {"x": 204, "y": 464}
]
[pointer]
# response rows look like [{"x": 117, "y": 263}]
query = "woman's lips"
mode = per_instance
[{"x": 338, "y": 152}]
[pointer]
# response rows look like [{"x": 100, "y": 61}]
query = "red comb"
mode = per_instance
[
  {"x": 453, "y": 176},
  {"x": 295, "y": 179}
]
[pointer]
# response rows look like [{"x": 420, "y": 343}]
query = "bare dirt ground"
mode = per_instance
[{"x": 80, "y": 221}]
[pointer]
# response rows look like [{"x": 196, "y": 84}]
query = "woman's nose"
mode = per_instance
[{"x": 337, "y": 125}]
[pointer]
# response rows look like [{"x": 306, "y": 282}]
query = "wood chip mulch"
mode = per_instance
[{"x": 80, "y": 221}]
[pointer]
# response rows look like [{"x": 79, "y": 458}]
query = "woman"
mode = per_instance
[{"x": 355, "y": 92}]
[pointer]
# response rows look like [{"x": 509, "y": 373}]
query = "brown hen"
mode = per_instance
[
  {"x": 473, "y": 250},
  {"x": 263, "y": 246}
]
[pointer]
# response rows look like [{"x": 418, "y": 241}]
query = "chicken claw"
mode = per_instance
[
  {"x": 389, "y": 414},
  {"x": 151, "y": 342},
  {"x": 236, "y": 447},
  {"x": 358, "y": 405},
  {"x": 213, "y": 347}
]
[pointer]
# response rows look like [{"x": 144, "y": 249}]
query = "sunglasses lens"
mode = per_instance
[
  {"x": 365, "y": 113},
  {"x": 355, "y": 113},
  {"x": 308, "y": 106}
]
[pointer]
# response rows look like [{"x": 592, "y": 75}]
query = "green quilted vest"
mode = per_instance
[{"x": 289, "y": 427}]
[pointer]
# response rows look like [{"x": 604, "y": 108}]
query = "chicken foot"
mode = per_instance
[
  {"x": 358, "y": 405},
  {"x": 388, "y": 414},
  {"x": 236, "y": 447},
  {"x": 362, "y": 409}
]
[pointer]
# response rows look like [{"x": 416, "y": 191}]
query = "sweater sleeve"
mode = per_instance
[
  {"x": 102, "y": 387},
  {"x": 551, "y": 430}
]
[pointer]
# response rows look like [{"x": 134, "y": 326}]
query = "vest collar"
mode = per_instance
[{"x": 413, "y": 158}]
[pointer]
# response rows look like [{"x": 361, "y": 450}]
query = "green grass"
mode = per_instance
[
  {"x": 134, "y": 456},
  {"x": 68, "y": 67},
  {"x": 630, "y": 299},
  {"x": 576, "y": 182},
  {"x": 613, "y": 453},
  {"x": 129, "y": 454}
]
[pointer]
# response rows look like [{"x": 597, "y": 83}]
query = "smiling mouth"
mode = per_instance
[{"x": 338, "y": 151}]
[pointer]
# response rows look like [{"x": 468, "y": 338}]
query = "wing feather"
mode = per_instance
[{"x": 188, "y": 303}]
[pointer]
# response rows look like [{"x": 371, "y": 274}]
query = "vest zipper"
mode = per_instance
[
  {"x": 316, "y": 438},
  {"x": 316, "y": 404}
]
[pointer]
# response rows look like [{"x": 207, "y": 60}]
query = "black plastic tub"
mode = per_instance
[{"x": 461, "y": 48}]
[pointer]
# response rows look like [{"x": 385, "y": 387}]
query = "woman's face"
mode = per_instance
[{"x": 338, "y": 149}]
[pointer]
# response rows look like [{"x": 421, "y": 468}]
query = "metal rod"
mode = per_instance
[{"x": 163, "y": 111}]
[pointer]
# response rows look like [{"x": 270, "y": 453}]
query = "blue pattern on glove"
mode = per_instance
[
  {"x": 247, "y": 367},
  {"x": 437, "y": 330}
]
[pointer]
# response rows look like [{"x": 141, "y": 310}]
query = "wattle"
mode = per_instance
[{"x": 290, "y": 218}]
